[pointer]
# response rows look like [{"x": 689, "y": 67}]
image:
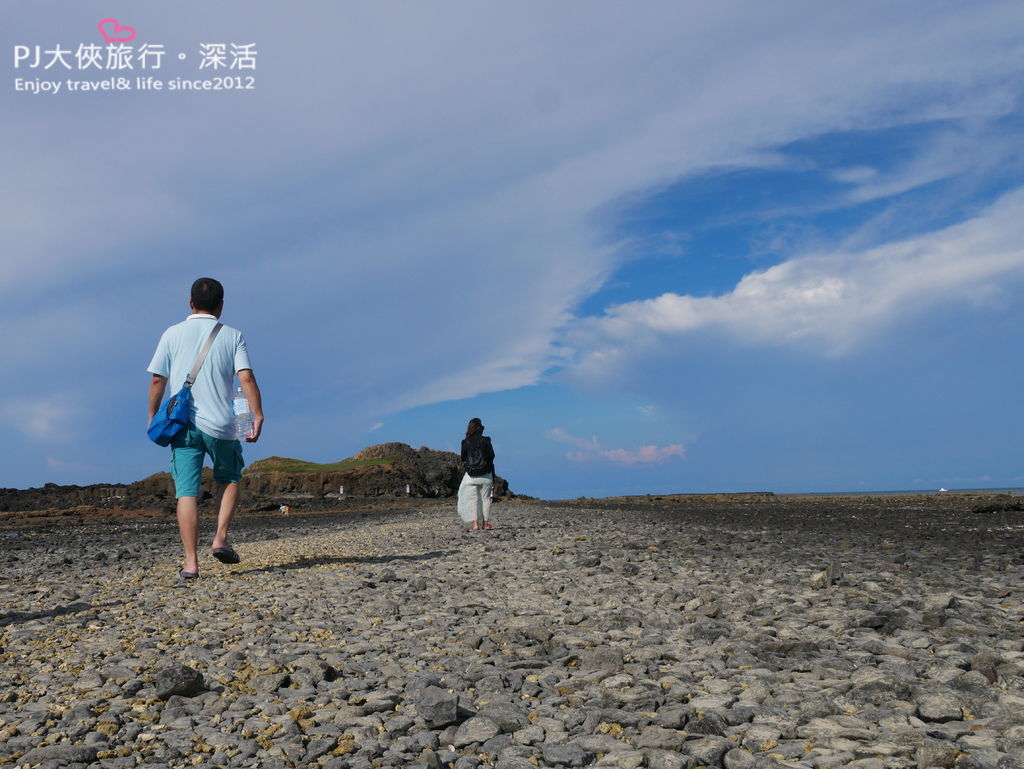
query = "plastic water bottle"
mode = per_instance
[{"x": 242, "y": 415}]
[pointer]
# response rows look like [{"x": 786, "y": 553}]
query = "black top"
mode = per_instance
[{"x": 483, "y": 443}]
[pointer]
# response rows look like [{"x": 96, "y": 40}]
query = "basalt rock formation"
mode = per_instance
[
  {"x": 384, "y": 470},
  {"x": 387, "y": 469}
]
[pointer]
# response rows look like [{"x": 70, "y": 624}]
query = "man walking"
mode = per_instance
[{"x": 211, "y": 430}]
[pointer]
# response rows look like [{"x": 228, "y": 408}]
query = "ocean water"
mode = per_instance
[{"x": 1016, "y": 492}]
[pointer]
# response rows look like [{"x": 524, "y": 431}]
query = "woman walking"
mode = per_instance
[{"x": 478, "y": 482}]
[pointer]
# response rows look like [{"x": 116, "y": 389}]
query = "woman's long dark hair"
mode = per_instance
[{"x": 475, "y": 427}]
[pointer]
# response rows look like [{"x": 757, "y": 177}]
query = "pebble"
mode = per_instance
[{"x": 735, "y": 635}]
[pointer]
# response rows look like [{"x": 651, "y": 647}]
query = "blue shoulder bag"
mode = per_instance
[{"x": 176, "y": 412}]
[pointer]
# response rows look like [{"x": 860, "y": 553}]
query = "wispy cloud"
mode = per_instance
[
  {"x": 830, "y": 301},
  {"x": 967, "y": 151},
  {"x": 644, "y": 455},
  {"x": 63, "y": 465},
  {"x": 559, "y": 434},
  {"x": 590, "y": 450},
  {"x": 48, "y": 419},
  {"x": 855, "y": 174}
]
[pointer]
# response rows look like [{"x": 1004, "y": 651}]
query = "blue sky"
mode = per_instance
[{"x": 672, "y": 247}]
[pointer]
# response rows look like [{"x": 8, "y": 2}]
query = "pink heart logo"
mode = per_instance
[{"x": 115, "y": 33}]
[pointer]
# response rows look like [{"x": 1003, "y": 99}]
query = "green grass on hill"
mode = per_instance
[{"x": 287, "y": 465}]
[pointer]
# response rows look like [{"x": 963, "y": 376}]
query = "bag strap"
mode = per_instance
[{"x": 190, "y": 380}]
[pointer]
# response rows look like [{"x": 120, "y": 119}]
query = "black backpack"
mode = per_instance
[{"x": 476, "y": 461}]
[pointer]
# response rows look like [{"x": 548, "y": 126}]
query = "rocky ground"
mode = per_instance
[{"x": 658, "y": 632}]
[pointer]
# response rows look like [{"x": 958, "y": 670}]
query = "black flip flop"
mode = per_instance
[
  {"x": 187, "y": 574},
  {"x": 226, "y": 555}
]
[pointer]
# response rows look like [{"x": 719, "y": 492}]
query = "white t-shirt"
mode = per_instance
[{"x": 213, "y": 390}]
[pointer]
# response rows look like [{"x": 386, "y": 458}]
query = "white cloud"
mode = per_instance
[
  {"x": 970, "y": 151},
  {"x": 644, "y": 455},
  {"x": 59, "y": 464},
  {"x": 855, "y": 174},
  {"x": 47, "y": 420},
  {"x": 831, "y": 301},
  {"x": 559, "y": 434},
  {"x": 591, "y": 450}
]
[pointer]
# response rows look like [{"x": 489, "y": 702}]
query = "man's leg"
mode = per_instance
[
  {"x": 227, "y": 472},
  {"x": 186, "y": 469},
  {"x": 227, "y": 501},
  {"x": 188, "y": 527}
]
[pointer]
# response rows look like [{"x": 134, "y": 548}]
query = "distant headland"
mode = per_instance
[{"x": 384, "y": 470}]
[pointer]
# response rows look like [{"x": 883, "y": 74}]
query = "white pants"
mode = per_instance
[{"x": 475, "y": 498}]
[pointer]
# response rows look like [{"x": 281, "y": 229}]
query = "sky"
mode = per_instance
[{"x": 657, "y": 247}]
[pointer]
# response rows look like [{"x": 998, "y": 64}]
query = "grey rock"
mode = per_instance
[
  {"x": 672, "y": 717},
  {"x": 509, "y": 718},
  {"x": 986, "y": 663},
  {"x": 428, "y": 760},
  {"x": 496, "y": 745},
  {"x": 177, "y": 679},
  {"x": 600, "y": 743},
  {"x": 82, "y": 754},
  {"x": 565, "y": 755},
  {"x": 476, "y": 730},
  {"x": 668, "y": 759},
  {"x": 937, "y": 754},
  {"x": 939, "y": 602},
  {"x": 529, "y": 735},
  {"x": 831, "y": 760},
  {"x": 877, "y": 687},
  {"x": 868, "y": 763},
  {"x": 939, "y": 707},
  {"x": 827, "y": 577},
  {"x": 659, "y": 737},
  {"x": 710, "y": 724},
  {"x": 379, "y": 702},
  {"x": 761, "y": 737},
  {"x": 319, "y": 747},
  {"x": 742, "y": 759},
  {"x": 624, "y": 759},
  {"x": 418, "y": 583},
  {"x": 601, "y": 658},
  {"x": 514, "y": 762},
  {"x": 708, "y": 751},
  {"x": 979, "y": 759},
  {"x": 269, "y": 683}
]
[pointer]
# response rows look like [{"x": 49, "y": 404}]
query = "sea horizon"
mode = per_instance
[{"x": 1012, "y": 491}]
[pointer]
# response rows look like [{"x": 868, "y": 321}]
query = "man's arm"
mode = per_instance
[
  {"x": 251, "y": 391},
  {"x": 156, "y": 394}
]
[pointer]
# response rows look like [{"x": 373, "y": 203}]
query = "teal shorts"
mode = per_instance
[{"x": 188, "y": 450}]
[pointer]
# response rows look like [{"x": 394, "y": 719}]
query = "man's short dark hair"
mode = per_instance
[{"x": 207, "y": 294}]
